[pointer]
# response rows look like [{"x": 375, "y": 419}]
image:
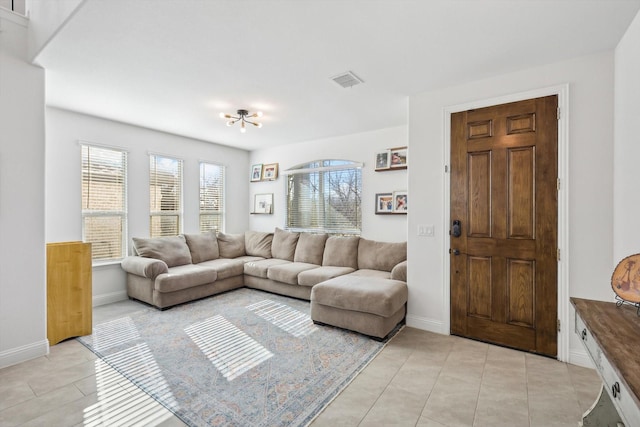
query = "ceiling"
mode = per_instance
[{"x": 174, "y": 65}]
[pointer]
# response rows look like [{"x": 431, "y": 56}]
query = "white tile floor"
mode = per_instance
[{"x": 419, "y": 379}]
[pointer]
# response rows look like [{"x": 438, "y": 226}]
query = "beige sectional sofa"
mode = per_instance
[{"x": 352, "y": 282}]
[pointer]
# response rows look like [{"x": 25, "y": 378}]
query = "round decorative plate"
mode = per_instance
[{"x": 625, "y": 280}]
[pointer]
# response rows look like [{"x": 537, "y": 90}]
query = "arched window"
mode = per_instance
[{"x": 325, "y": 195}]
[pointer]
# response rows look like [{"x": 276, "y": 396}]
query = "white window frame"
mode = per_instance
[
  {"x": 153, "y": 160},
  {"x": 95, "y": 213},
  {"x": 301, "y": 169},
  {"x": 221, "y": 213}
]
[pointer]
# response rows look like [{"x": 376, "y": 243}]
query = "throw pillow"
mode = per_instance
[
  {"x": 203, "y": 246},
  {"x": 380, "y": 255},
  {"x": 257, "y": 243},
  {"x": 284, "y": 244},
  {"x": 341, "y": 252},
  {"x": 231, "y": 245},
  {"x": 172, "y": 250},
  {"x": 310, "y": 248}
]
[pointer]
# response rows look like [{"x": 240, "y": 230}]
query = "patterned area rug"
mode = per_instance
[{"x": 243, "y": 358}]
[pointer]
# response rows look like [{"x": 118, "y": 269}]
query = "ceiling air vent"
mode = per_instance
[{"x": 347, "y": 79}]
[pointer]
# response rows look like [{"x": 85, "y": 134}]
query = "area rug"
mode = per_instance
[{"x": 243, "y": 358}]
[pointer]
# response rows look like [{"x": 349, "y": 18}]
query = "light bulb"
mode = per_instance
[
  {"x": 259, "y": 114},
  {"x": 259, "y": 125},
  {"x": 243, "y": 129},
  {"x": 229, "y": 123},
  {"x": 222, "y": 116}
]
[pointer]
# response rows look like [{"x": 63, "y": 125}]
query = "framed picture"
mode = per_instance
[
  {"x": 400, "y": 202},
  {"x": 263, "y": 203},
  {"x": 383, "y": 159},
  {"x": 256, "y": 172},
  {"x": 384, "y": 203},
  {"x": 399, "y": 157},
  {"x": 270, "y": 172}
]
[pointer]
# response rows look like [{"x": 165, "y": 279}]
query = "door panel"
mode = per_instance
[{"x": 503, "y": 190}]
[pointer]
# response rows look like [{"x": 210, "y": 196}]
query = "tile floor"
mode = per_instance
[{"x": 419, "y": 379}]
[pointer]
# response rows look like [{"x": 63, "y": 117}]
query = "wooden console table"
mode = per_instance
[{"x": 611, "y": 336}]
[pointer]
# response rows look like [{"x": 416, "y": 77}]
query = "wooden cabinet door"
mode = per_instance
[{"x": 504, "y": 193}]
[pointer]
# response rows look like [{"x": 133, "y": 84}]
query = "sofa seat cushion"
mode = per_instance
[
  {"x": 225, "y": 267},
  {"x": 320, "y": 274},
  {"x": 260, "y": 268},
  {"x": 288, "y": 273},
  {"x": 382, "y": 297},
  {"x": 249, "y": 258},
  {"x": 183, "y": 277},
  {"x": 372, "y": 273}
]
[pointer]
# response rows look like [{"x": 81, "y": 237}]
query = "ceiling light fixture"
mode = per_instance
[{"x": 242, "y": 117}]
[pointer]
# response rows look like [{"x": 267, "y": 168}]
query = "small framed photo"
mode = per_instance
[
  {"x": 383, "y": 160},
  {"x": 256, "y": 172},
  {"x": 263, "y": 203},
  {"x": 270, "y": 172},
  {"x": 400, "y": 202},
  {"x": 384, "y": 203},
  {"x": 399, "y": 157}
]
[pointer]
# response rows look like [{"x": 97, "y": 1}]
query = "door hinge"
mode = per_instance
[
  {"x": 446, "y": 168},
  {"x": 558, "y": 255},
  {"x": 558, "y": 184},
  {"x": 558, "y": 323},
  {"x": 558, "y": 114}
]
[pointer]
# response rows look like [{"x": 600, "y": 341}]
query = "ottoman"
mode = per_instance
[{"x": 370, "y": 305}]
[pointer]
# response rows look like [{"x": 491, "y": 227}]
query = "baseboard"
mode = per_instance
[
  {"x": 580, "y": 358},
  {"x": 17, "y": 355},
  {"x": 109, "y": 298},
  {"x": 426, "y": 324}
]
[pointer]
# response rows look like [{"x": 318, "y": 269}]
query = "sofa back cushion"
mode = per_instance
[
  {"x": 257, "y": 243},
  {"x": 284, "y": 244},
  {"x": 172, "y": 250},
  {"x": 341, "y": 252},
  {"x": 382, "y": 256},
  {"x": 203, "y": 246},
  {"x": 310, "y": 248},
  {"x": 231, "y": 245}
]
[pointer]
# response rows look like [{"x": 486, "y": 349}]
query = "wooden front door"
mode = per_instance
[{"x": 504, "y": 195}]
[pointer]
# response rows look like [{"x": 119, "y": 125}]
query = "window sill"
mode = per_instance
[{"x": 100, "y": 264}]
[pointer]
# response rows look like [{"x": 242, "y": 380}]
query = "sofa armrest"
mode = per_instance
[
  {"x": 145, "y": 267},
  {"x": 399, "y": 272}
]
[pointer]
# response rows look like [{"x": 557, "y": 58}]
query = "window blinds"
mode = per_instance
[
  {"x": 325, "y": 196},
  {"x": 211, "y": 197},
  {"x": 104, "y": 201},
  {"x": 165, "y": 191}
]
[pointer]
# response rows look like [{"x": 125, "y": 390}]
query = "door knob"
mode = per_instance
[{"x": 454, "y": 251}]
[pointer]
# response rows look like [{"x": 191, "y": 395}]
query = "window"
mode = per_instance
[
  {"x": 324, "y": 195},
  {"x": 165, "y": 190},
  {"x": 104, "y": 201},
  {"x": 211, "y": 197}
]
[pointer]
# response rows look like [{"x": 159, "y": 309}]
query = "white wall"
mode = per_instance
[
  {"x": 63, "y": 198},
  {"x": 360, "y": 147},
  {"x": 46, "y": 18},
  {"x": 626, "y": 203},
  {"x": 590, "y": 180},
  {"x": 22, "y": 248}
]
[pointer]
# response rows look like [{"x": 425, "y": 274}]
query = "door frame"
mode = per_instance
[{"x": 562, "y": 91}]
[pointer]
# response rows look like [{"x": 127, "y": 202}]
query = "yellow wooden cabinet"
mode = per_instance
[{"x": 68, "y": 290}]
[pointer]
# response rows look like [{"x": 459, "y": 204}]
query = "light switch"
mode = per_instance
[{"x": 426, "y": 230}]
